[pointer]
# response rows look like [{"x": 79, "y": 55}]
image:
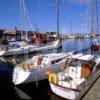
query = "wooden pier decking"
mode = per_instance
[
  {"x": 91, "y": 91},
  {"x": 94, "y": 92}
]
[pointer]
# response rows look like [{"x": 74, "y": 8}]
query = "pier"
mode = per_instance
[{"x": 91, "y": 91}]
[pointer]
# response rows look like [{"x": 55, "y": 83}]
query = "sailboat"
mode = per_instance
[
  {"x": 24, "y": 48},
  {"x": 96, "y": 42},
  {"x": 18, "y": 49},
  {"x": 78, "y": 70},
  {"x": 37, "y": 67}
]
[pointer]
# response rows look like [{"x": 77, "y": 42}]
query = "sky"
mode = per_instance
[{"x": 75, "y": 15}]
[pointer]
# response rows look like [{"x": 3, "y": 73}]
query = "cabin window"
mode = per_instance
[
  {"x": 56, "y": 61},
  {"x": 74, "y": 63}
]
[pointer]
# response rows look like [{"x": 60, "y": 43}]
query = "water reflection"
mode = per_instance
[{"x": 55, "y": 97}]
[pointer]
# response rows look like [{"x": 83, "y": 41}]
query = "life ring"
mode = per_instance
[{"x": 53, "y": 78}]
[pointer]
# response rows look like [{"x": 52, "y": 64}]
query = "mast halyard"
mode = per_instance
[
  {"x": 26, "y": 35},
  {"x": 57, "y": 11},
  {"x": 25, "y": 24},
  {"x": 94, "y": 8},
  {"x": 94, "y": 11},
  {"x": 97, "y": 19},
  {"x": 70, "y": 25},
  {"x": 92, "y": 24},
  {"x": 23, "y": 18},
  {"x": 21, "y": 22}
]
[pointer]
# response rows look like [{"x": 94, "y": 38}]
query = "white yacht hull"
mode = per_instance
[
  {"x": 18, "y": 51},
  {"x": 31, "y": 48},
  {"x": 35, "y": 75},
  {"x": 72, "y": 80},
  {"x": 2, "y": 52},
  {"x": 69, "y": 94}
]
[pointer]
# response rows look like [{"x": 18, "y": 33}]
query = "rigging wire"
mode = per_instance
[
  {"x": 70, "y": 24},
  {"x": 26, "y": 35},
  {"x": 34, "y": 22},
  {"x": 26, "y": 18},
  {"x": 21, "y": 22},
  {"x": 57, "y": 12},
  {"x": 87, "y": 18},
  {"x": 92, "y": 24},
  {"x": 96, "y": 8},
  {"x": 22, "y": 17},
  {"x": 33, "y": 18}
]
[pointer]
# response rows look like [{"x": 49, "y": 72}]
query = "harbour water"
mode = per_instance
[{"x": 41, "y": 90}]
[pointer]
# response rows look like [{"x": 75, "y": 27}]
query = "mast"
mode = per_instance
[
  {"x": 94, "y": 11},
  {"x": 92, "y": 24},
  {"x": 96, "y": 8},
  {"x": 70, "y": 24},
  {"x": 57, "y": 12},
  {"x": 21, "y": 16},
  {"x": 25, "y": 28}
]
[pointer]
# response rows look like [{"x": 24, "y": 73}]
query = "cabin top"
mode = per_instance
[
  {"x": 54, "y": 55},
  {"x": 60, "y": 55},
  {"x": 85, "y": 57},
  {"x": 76, "y": 56}
]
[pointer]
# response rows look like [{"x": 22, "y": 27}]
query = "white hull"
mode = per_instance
[
  {"x": 36, "y": 74},
  {"x": 1, "y": 52},
  {"x": 64, "y": 92},
  {"x": 69, "y": 83},
  {"x": 31, "y": 48}
]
